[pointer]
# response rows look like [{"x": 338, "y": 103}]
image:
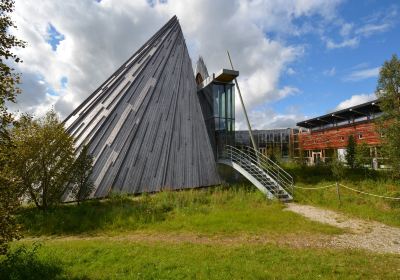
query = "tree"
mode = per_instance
[
  {"x": 9, "y": 201},
  {"x": 351, "y": 151},
  {"x": 388, "y": 92},
  {"x": 363, "y": 155},
  {"x": 82, "y": 186},
  {"x": 8, "y": 78},
  {"x": 337, "y": 168},
  {"x": 43, "y": 158},
  {"x": 9, "y": 182}
]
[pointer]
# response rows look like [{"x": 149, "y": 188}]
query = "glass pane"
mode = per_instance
[
  {"x": 216, "y": 100},
  {"x": 222, "y": 112},
  {"x": 233, "y": 101},
  {"x": 222, "y": 123},
  {"x": 229, "y": 101},
  {"x": 216, "y": 123},
  {"x": 228, "y": 125}
]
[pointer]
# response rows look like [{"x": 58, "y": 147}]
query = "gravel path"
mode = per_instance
[{"x": 368, "y": 235}]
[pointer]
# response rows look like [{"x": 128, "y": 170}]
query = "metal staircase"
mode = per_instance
[{"x": 265, "y": 174}]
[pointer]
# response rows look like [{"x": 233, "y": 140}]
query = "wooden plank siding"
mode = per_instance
[
  {"x": 144, "y": 124},
  {"x": 337, "y": 137}
]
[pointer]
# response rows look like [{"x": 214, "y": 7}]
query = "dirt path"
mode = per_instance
[
  {"x": 368, "y": 235},
  {"x": 291, "y": 240}
]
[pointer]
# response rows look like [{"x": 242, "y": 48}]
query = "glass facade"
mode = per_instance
[
  {"x": 279, "y": 143},
  {"x": 218, "y": 106},
  {"x": 224, "y": 115}
]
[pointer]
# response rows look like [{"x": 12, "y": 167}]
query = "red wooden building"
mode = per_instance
[{"x": 328, "y": 135}]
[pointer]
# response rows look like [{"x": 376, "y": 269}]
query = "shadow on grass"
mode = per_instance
[
  {"x": 119, "y": 212},
  {"x": 24, "y": 263},
  {"x": 126, "y": 213}
]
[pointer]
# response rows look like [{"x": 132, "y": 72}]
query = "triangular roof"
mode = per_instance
[{"x": 144, "y": 124}]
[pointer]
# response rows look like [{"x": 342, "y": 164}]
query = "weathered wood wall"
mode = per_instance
[{"x": 144, "y": 124}]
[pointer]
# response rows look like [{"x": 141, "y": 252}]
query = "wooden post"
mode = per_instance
[{"x": 338, "y": 194}]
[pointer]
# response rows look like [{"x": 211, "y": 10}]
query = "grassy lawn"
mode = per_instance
[
  {"x": 99, "y": 240},
  {"x": 120, "y": 260},
  {"x": 220, "y": 210},
  {"x": 355, "y": 204}
]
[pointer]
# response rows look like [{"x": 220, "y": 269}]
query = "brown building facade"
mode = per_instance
[{"x": 327, "y": 136}]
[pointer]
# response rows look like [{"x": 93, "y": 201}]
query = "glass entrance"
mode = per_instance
[
  {"x": 218, "y": 106},
  {"x": 224, "y": 115}
]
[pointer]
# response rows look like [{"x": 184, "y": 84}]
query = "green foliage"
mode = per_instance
[
  {"x": 81, "y": 185},
  {"x": 9, "y": 202},
  {"x": 338, "y": 169},
  {"x": 363, "y": 155},
  {"x": 43, "y": 155},
  {"x": 274, "y": 154},
  {"x": 24, "y": 263},
  {"x": 10, "y": 193},
  {"x": 9, "y": 187},
  {"x": 388, "y": 92},
  {"x": 308, "y": 174},
  {"x": 8, "y": 78},
  {"x": 351, "y": 151}
]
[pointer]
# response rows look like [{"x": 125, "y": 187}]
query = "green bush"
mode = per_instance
[{"x": 24, "y": 263}]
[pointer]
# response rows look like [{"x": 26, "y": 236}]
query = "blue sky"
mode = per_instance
[
  {"x": 326, "y": 77},
  {"x": 297, "y": 58}
]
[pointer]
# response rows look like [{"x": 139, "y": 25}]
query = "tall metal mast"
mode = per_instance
[{"x": 244, "y": 109}]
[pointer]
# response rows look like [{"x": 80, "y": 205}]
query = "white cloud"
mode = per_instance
[
  {"x": 352, "y": 43},
  {"x": 330, "y": 72},
  {"x": 268, "y": 119},
  {"x": 99, "y": 37},
  {"x": 346, "y": 29},
  {"x": 351, "y": 34},
  {"x": 370, "y": 29},
  {"x": 355, "y": 100},
  {"x": 363, "y": 74},
  {"x": 290, "y": 71}
]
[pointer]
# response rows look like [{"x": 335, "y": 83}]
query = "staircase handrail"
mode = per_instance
[
  {"x": 283, "y": 173},
  {"x": 284, "y": 179}
]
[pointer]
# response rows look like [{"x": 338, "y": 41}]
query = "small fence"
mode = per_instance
[{"x": 338, "y": 185}]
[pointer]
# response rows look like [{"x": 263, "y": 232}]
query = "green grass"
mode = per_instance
[
  {"x": 108, "y": 239},
  {"x": 355, "y": 204},
  {"x": 220, "y": 210},
  {"x": 121, "y": 260}
]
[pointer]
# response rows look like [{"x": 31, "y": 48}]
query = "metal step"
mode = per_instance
[{"x": 266, "y": 175}]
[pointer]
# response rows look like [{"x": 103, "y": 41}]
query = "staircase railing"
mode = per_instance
[{"x": 254, "y": 157}]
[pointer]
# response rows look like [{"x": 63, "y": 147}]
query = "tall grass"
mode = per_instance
[
  {"x": 356, "y": 204},
  {"x": 217, "y": 210}
]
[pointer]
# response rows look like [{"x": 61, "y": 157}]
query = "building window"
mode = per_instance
[
  {"x": 360, "y": 136},
  {"x": 342, "y": 138}
]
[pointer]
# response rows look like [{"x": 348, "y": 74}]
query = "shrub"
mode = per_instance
[
  {"x": 24, "y": 263},
  {"x": 42, "y": 157}
]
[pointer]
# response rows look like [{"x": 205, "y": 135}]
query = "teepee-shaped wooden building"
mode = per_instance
[{"x": 144, "y": 124}]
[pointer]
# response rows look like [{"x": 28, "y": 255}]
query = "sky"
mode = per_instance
[{"x": 297, "y": 59}]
